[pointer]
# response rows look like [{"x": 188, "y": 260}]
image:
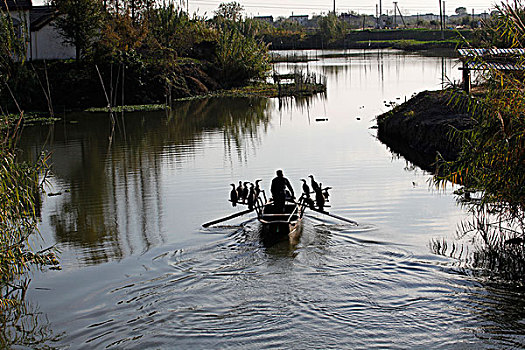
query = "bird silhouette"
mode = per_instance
[
  {"x": 315, "y": 185},
  {"x": 233, "y": 195},
  {"x": 257, "y": 188},
  {"x": 239, "y": 192},
  {"x": 306, "y": 188},
  {"x": 251, "y": 197},
  {"x": 245, "y": 190},
  {"x": 319, "y": 199},
  {"x": 325, "y": 193}
]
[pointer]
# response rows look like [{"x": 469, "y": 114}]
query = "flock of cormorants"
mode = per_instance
[
  {"x": 248, "y": 193},
  {"x": 244, "y": 195}
]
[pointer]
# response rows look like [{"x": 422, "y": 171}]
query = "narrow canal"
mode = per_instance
[{"x": 140, "y": 272}]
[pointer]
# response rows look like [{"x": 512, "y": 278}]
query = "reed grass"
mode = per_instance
[{"x": 20, "y": 201}]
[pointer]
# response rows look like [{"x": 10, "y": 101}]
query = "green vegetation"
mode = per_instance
[
  {"x": 134, "y": 53},
  {"x": 81, "y": 25},
  {"x": 411, "y": 45},
  {"x": 19, "y": 210},
  {"x": 20, "y": 190},
  {"x": 491, "y": 165}
]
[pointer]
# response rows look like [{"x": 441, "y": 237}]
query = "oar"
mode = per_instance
[
  {"x": 335, "y": 216},
  {"x": 227, "y": 218}
]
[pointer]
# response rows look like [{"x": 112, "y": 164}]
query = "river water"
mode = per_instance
[{"x": 125, "y": 209}]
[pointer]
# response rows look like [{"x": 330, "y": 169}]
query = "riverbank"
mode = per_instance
[
  {"x": 422, "y": 127},
  {"x": 404, "y": 39},
  {"x": 44, "y": 90}
]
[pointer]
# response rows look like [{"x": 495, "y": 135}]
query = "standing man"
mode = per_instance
[{"x": 278, "y": 189}]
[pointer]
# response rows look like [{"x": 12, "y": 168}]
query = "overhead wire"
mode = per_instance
[{"x": 318, "y": 6}]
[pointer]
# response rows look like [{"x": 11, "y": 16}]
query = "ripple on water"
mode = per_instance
[{"x": 350, "y": 291}]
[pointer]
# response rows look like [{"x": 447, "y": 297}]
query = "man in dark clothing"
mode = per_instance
[{"x": 278, "y": 189}]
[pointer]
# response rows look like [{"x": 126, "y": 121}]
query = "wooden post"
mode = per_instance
[{"x": 466, "y": 79}]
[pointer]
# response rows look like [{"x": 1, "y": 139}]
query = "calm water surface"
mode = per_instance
[{"x": 140, "y": 272}]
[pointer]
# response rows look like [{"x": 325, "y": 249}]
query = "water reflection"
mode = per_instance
[
  {"x": 24, "y": 326},
  {"x": 372, "y": 286},
  {"x": 121, "y": 174}
]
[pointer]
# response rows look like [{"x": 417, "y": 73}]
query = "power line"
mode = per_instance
[{"x": 318, "y": 7}]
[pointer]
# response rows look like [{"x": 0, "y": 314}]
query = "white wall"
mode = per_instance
[{"x": 46, "y": 44}]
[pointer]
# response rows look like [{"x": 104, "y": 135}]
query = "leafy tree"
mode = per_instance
[
  {"x": 230, "y": 11},
  {"x": 331, "y": 27},
  {"x": 175, "y": 31},
  {"x": 461, "y": 11},
  {"x": 79, "y": 22},
  {"x": 119, "y": 34},
  {"x": 240, "y": 56}
]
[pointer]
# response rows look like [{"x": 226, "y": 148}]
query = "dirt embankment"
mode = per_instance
[{"x": 422, "y": 127}]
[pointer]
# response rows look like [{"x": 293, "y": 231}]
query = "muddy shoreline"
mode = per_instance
[{"x": 422, "y": 128}]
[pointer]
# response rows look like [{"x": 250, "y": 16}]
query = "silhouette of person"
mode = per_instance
[{"x": 278, "y": 189}]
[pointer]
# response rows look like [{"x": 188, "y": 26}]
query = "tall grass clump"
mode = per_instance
[
  {"x": 492, "y": 159},
  {"x": 240, "y": 54},
  {"x": 19, "y": 211}
]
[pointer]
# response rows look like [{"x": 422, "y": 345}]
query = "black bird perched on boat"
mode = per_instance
[
  {"x": 319, "y": 199},
  {"x": 325, "y": 192},
  {"x": 245, "y": 190},
  {"x": 239, "y": 192},
  {"x": 233, "y": 195},
  {"x": 251, "y": 197},
  {"x": 315, "y": 185},
  {"x": 257, "y": 188},
  {"x": 306, "y": 192},
  {"x": 306, "y": 188}
]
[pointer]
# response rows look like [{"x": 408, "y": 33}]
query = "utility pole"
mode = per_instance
[
  {"x": 400, "y": 15},
  {"x": 395, "y": 12},
  {"x": 377, "y": 17},
  {"x": 334, "y": 7},
  {"x": 444, "y": 16},
  {"x": 380, "y": 15},
  {"x": 441, "y": 20}
]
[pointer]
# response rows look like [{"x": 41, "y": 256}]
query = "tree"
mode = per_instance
[
  {"x": 461, "y": 11},
  {"x": 331, "y": 27},
  {"x": 79, "y": 22},
  {"x": 231, "y": 10}
]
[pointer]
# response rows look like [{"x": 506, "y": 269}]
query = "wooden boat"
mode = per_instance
[{"x": 279, "y": 226}]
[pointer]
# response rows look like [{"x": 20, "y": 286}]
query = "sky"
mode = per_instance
[{"x": 302, "y": 7}]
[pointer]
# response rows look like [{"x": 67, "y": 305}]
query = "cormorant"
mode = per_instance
[
  {"x": 319, "y": 199},
  {"x": 239, "y": 192},
  {"x": 251, "y": 197},
  {"x": 306, "y": 188},
  {"x": 257, "y": 188},
  {"x": 233, "y": 195},
  {"x": 325, "y": 192},
  {"x": 306, "y": 191},
  {"x": 315, "y": 186},
  {"x": 245, "y": 190}
]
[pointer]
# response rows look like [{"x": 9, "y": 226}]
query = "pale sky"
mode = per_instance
[{"x": 286, "y": 7}]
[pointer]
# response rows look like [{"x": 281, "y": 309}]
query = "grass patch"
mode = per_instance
[
  {"x": 29, "y": 119},
  {"x": 128, "y": 108},
  {"x": 411, "y": 44}
]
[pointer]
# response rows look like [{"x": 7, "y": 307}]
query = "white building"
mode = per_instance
[{"x": 35, "y": 23}]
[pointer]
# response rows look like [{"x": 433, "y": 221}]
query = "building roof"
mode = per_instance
[
  {"x": 490, "y": 52},
  {"x": 41, "y": 16},
  {"x": 13, "y": 5}
]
